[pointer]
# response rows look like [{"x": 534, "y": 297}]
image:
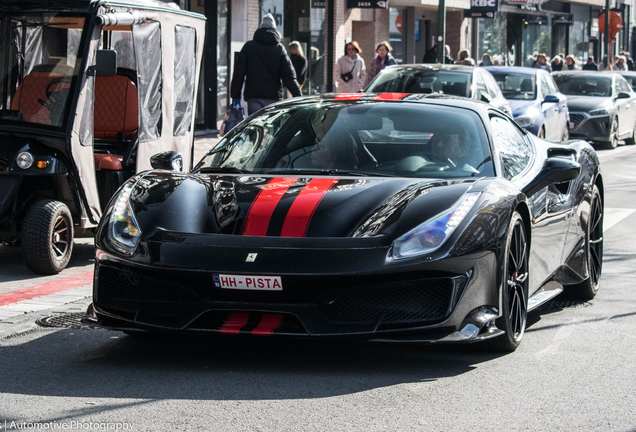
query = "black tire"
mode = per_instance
[
  {"x": 566, "y": 132},
  {"x": 514, "y": 313},
  {"x": 587, "y": 289},
  {"x": 613, "y": 136},
  {"x": 631, "y": 140},
  {"x": 47, "y": 237},
  {"x": 541, "y": 133}
]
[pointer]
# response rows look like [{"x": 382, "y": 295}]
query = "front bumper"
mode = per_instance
[
  {"x": 590, "y": 128},
  {"x": 342, "y": 293}
]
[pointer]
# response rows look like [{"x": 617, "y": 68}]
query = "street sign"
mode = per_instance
[
  {"x": 361, "y": 4},
  {"x": 562, "y": 19},
  {"x": 482, "y": 9}
]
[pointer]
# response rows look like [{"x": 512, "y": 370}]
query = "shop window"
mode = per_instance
[
  {"x": 184, "y": 71},
  {"x": 147, "y": 37}
]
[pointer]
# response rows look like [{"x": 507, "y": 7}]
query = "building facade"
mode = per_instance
[{"x": 513, "y": 34}]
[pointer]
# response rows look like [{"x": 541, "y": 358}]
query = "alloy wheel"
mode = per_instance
[
  {"x": 517, "y": 275},
  {"x": 595, "y": 242}
]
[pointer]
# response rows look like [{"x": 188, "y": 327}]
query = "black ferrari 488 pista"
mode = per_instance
[{"x": 393, "y": 217}]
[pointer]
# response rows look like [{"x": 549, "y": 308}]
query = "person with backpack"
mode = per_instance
[{"x": 265, "y": 68}]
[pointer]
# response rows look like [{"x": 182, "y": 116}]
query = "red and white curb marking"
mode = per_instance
[{"x": 46, "y": 295}]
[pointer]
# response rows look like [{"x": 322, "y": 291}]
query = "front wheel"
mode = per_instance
[
  {"x": 514, "y": 297},
  {"x": 47, "y": 237},
  {"x": 587, "y": 289},
  {"x": 613, "y": 136}
]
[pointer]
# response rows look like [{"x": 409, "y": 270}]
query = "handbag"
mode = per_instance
[
  {"x": 233, "y": 116},
  {"x": 346, "y": 77}
]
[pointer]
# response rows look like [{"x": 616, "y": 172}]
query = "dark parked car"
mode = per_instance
[
  {"x": 465, "y": 81},
  {"x": 537, "y": 104},
  {"x": 602, "y": 106},
  {"x": 417, "y": 218}
]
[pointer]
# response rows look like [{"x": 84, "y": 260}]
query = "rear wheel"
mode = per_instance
[
  {"x": 587, "y": 289},
  {"x": 514, "y": 305},
  {"x": 541, "y": 133},
  {"x": 632, "y": 140},
  {"x": 47, "y": 237},
  {"x": 566, "y": 132}
]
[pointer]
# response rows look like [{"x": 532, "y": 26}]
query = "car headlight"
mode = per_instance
[
  {"x": 25, "y": 160},
  {"x": 432, "y": 234},
  {"x": 123, "y": 231},
  {"x": 528, "y": 118},
  {"x": 600, "y": 112}
]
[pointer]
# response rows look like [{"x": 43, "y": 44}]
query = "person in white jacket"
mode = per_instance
[{"x": 350, "y": 72}]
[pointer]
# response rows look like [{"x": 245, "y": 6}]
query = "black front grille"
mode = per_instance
[
  {"x": 576, "y": 119},
  {"x": 4, "y": 164},
  {"x": 123, "y": 291},
  {"x": 424, "y": 300}
]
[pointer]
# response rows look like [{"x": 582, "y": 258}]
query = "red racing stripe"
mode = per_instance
[
  {"x": 349, "y": 96},
  {"x": 304, "y": 206},
  {"x": 235, "y": 322},
  {"x": 390, "y": 96},
  {"x": 47, "y": 288},
  {"x": 268, "y": 324},
  {"x": 261, "y": 210}
]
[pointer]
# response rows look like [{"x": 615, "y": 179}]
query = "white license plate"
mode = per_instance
[{"x": 241, "y": 282}]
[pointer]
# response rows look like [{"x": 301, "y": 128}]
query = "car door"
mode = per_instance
[
  {"x": 550, "y": 109},
  {"x": 517, "y": 154},
  {"x": 563, "y": 115},
  {"x": 627, "y": 111}
]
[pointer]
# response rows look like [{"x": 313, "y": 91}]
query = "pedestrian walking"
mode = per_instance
[
  {"x": 572, "y": 63},
  {"x": 620, "y": 63},
  {"x": 382, "y": 60},
  {"x": 556, "y": 63},
  {"x": 590, "y": 65},
  {"x": 264, "y": 66},
  {"x": 299, "y": 62},
  {"x": 464, "y": 59},
  {"x": 350, "y": 72},
  {"x": 542, "y": 63},
  {"x": 485, "y": 60}
]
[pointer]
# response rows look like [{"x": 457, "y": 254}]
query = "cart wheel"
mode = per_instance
[{"x": 47, "y": 237}]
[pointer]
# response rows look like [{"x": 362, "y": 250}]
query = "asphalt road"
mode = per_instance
[{"x": 574, "y": 371}]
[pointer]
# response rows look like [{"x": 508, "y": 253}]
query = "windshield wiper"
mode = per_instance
[{"x": 222, "y": 170}]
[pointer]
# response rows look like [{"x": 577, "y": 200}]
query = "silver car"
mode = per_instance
[{"x": 465, "y": 81}]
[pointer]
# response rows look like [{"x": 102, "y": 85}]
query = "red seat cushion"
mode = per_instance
[
  {"x": 108, "y": 161},
  {"x": 33, "y": 87},
  {"x": 116, "y": 107}
]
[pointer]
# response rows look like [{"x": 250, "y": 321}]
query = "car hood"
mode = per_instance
[
  {"x": 520, "y": 107},
  {"x": 288, "y": 206},
  {"x": 588, "y": 103}
]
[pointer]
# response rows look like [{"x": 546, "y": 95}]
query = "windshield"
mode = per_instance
[
  {"x": 631, "y": 79},
  {"x": 584, "y": 85},
  {"x": 411, "y": 80},
  {"x": 39, "y": 53},
  {"x": 516, "y": 86},
  {"x": 376, "y": 139}
]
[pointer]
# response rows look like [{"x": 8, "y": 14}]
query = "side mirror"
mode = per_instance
[
  {"x": 623, "y": 95},
  {"x": 551, "y": 99},
  {"x": 484, "y": 98},
  {"x": 105, "y": 64},
  {"x": 168, "y": 160},
  {"x": 557, "y": 169}
]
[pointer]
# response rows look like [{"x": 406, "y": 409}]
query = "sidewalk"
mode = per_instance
[{"x": 22, "y": 291}]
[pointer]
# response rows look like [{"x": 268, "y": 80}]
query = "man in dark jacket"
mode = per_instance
[
  {"x": 264, "y": 66},
  {"x": 590, "y": 65}
]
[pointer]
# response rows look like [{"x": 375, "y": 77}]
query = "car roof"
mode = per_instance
[
  {"x": 433, "y": 67},
  {"x": 515, "y": 69},
  {"x": 585, "y": 73},
  {"x": 376, "y": 98}
]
